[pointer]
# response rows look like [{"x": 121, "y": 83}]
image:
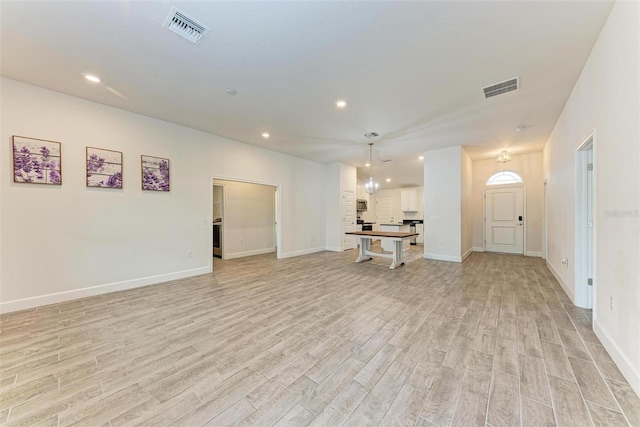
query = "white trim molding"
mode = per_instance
[
  {"x": 301, "y": 252},
  {"x": 334, "y": 248},
  {"x": 555, "y": 273},
  {"x": 466, "y": 254},
  {"x": 250, "y": 253},
  {"x": 58, "y": 297},
  {"x": 623, "y": 363},
  {"x": 533, "y": 253},
  {"x": 438, "y": 257},
  {"x": 477, "y": 249}
]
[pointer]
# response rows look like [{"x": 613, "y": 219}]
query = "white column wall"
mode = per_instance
[{"x": 606, "y": 98}]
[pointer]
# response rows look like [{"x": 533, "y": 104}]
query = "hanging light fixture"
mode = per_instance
[
  {"x": 503, "y": 157},
  {"x": 371, "y": 187}
]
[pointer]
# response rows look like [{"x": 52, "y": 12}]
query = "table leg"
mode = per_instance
[
  {"x": 398, "y": 254},
  {"x": 365, "y": 245}
]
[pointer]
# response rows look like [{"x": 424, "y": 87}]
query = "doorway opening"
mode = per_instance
[
  {"x": 245, "y": 219},
  {"x": 585, "y": 222}
]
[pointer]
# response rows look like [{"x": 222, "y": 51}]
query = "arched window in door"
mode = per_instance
[{"x": 504, "y": 177}]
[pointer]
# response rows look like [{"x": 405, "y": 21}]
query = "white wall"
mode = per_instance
[
  {"x": 466, "y": 205},
  {"x": 340, "y": 177},
  {"x": 249, "y": 219},
  {"x": 606, "y": 98},
  {"x": 529, "y": 167},
  {"x": 442, "y": 199},
  {"x": 65, "y": 242}
]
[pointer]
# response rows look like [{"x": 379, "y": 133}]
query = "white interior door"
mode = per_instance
[
  {"x": 504, "y": 220},
  {"x": 384, "y": 210},
  {"x": 349, "y": 218}
]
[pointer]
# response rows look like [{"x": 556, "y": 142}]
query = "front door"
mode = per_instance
[
  {"x": 504, "y": 220},
  {"x": 349, "y": 218}
]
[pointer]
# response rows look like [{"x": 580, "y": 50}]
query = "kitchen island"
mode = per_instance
[
  {"x": 396, "y": 228},
  {"x": 396, "y": 239}
]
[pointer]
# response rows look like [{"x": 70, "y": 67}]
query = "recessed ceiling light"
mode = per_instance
[
  {"x": 92, "y": 78},
  {"x": 367, "y": 165},
  {"x": 341, "y": 103},
  {"x": 388, "y": 179},
  {"x": 265, "y": 134},
  {"x": 421, "y": 158},
  {"x": 520, "y": 128},
  {"x": 231, "y": 92}
]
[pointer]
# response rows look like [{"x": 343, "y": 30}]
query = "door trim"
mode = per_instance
[
  {"x": 585, "y": 297},
  {"x": 277, "y": 201},
  {"x": 524, "y": 209}
]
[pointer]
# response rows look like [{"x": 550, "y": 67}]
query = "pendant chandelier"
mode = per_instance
[
  {"x": 503, "y": 157},
  {"x": 371, "y": 187}
]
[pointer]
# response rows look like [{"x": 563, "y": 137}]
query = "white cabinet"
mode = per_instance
[{"x": 409, "y": 200}]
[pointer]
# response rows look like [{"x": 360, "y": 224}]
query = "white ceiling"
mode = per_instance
[{"x": 411, "y": 71}]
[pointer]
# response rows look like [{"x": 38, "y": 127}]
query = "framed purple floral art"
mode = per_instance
[
  {"x": 155, "y": 173},
  {"x": 104, "y": 168},
  {"x": 36, "y": 161}
]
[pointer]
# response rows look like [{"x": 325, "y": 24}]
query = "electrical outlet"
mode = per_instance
[
  {"x": 565, "y": 261},
  {"x": 204, "y": 221},
  {"x": 611, "y": 302},
  {"x": 189, "y": 254},
  {"x": 440, "y": 243}
]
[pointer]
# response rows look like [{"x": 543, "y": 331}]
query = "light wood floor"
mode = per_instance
[{"x": 318, "y": 340}]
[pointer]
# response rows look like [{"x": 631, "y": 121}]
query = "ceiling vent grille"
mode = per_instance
[
  {"x": 185, "y": 26},
  {"x": 502, "y": 87}
]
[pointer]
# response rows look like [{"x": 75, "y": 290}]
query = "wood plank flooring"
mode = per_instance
[{"x": 318, "y": 340}]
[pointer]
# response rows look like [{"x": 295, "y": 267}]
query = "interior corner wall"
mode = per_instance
[
  {"x": 606, "y": 98},
  {"x": 443, "y": 204},
  {"x": 249, "y": 219},
  {"x": 466, "y": 242},
  {"x": 530, "y": 168},
  {"x": 70, "y": 241},
  {"x": 340, "y": 177}
]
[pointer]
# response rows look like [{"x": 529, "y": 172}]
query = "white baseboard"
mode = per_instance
[
  {"x": 555, "y": 273},
  {"x": 629, "y": 371},
  {"x": 334, "y": 248},
  {"x": 477, "y": 249},
  {"x": 38, "y": 301},
  {"x": 249, "y": 253},
  {"x": 439, "y": 257},
  {"x": 466, "y": 254},
  {"x": 533, "y": 253},
  {"x": 301, "y": 252}
]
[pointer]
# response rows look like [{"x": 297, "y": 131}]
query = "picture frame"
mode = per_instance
[
  {"x": 36, "y": 161},
  {"x": 103, "y": 168},
  {"x": 155, "y": 173}
]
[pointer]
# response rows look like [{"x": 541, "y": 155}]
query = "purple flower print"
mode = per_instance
[
  {"x": 35, "y": 166},
  {"x": 155, "y": 177},
  {"x": 115, "y": 180}
]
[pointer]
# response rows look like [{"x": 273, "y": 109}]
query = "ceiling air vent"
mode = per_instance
[
  {"x": 502, "y": 87},
  {"x": 185, "y": 26},
  {"x": 371, "y": 135}
]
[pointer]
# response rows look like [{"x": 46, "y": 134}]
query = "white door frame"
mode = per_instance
[
  {"x": 342, "y": 226},
  {"x": 277, "y": 201},
  {"x": 585, "y": 294},
  {"x": 544, "y": 219},
  {"x": 524, "y": 211}
]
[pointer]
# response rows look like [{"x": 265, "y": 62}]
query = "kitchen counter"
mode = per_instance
[{"x": 388, "y": 246}]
